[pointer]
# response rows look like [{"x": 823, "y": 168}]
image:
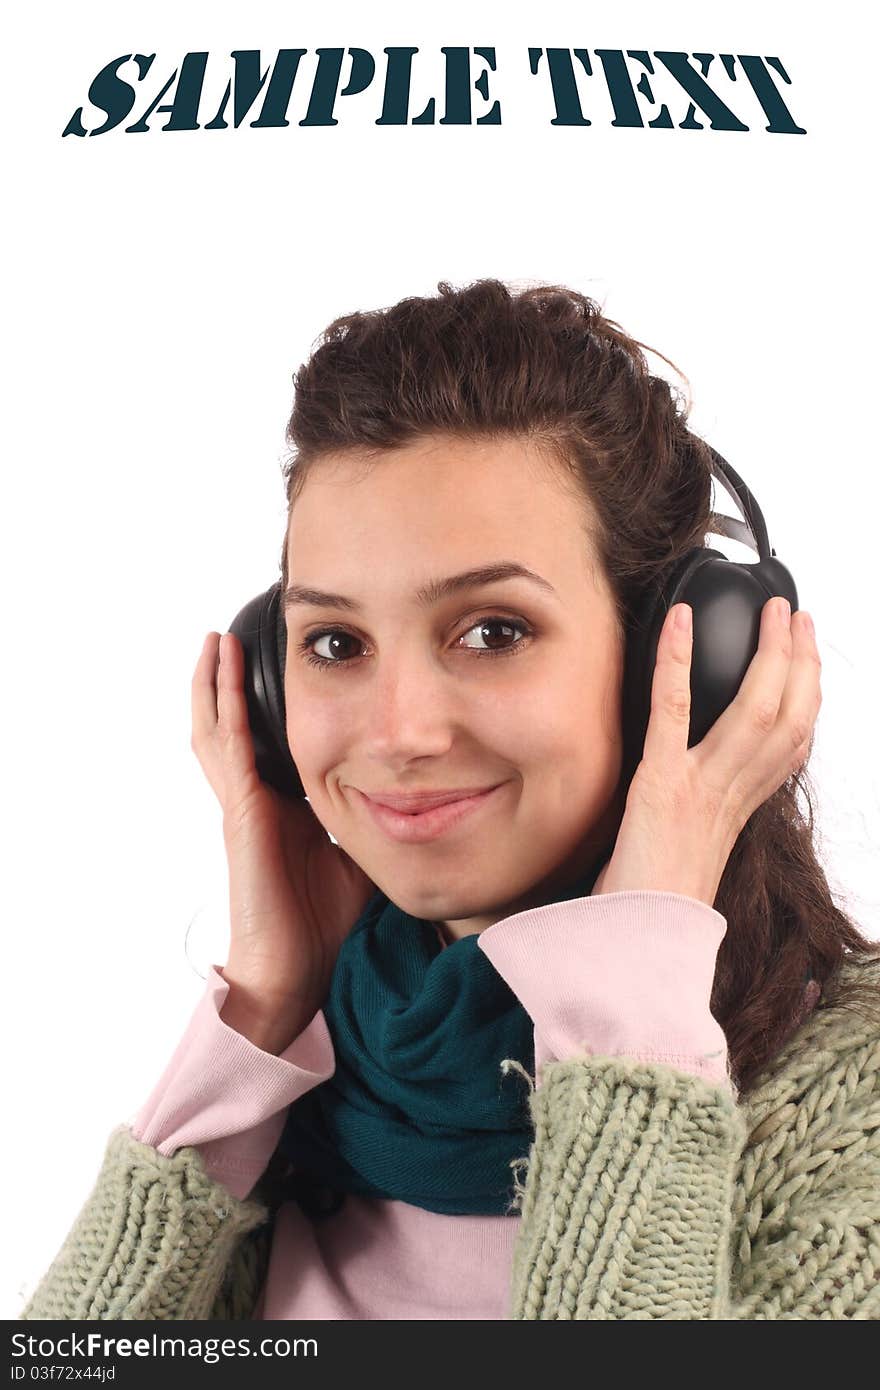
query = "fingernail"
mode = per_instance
[
  {"x": 683, "y": 617},
  {"x": 808, "y": 622},
  {"x": 784, "y": 610}
]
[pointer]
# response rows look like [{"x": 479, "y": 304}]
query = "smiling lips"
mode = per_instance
[
  {"x": 415, "y": 824},
  {"x": 413, "y": 803}
]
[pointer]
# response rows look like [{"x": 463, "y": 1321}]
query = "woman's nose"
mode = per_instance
[{"x": 411, "y": 708}]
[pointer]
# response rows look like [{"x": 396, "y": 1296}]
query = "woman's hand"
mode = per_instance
[
  {"x": 686, "y": 806},
  {"x": 293, "y": 895}
]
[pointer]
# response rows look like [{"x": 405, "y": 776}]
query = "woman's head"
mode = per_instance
[
  {"x": 478, "y": 426},
  {"x": 508, "y": 682}
]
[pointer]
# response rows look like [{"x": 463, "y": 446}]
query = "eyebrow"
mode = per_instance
[{"x": 429, "y": 593}]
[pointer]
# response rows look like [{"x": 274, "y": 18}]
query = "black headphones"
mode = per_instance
[{"x": 727, "y": 597}]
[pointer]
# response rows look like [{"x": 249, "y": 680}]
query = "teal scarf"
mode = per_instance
[{"x": 417, "y": 1108}]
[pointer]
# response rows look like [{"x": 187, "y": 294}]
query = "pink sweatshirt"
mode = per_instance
[{"x": 619, "y": 973}]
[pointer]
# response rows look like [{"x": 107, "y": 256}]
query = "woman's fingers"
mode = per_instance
[
  {"x": 802, "y": 699},
  {"x": 760, "y": 694},
  {"x": 669, "y": 723},
  {"x": 785, "y": 744},
  {"x": 764, "y": 734},
  {"x": 220, "y": 729},
  {"x": 204, "y": 690},
  {"x": 233, "y": 728},
  {"x": 750, "y": 727}
]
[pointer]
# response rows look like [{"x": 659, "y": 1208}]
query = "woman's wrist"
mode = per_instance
[{"x": 271, "y": 1032}]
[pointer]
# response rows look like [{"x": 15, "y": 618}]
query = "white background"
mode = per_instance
[{"x": 162, "y": 288}]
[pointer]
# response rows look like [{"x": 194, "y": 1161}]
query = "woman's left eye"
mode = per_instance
[{"x": 507, "y": 624}]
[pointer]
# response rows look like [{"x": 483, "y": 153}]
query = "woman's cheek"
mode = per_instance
[{"x": 317, "y": 735}]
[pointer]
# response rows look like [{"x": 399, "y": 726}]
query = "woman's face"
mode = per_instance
[{"x": 416, "y": 701}]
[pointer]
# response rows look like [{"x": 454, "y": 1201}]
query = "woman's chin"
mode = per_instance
[{"x": 475, "y": 909}]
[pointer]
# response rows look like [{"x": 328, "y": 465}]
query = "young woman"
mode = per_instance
[{"x": 586, "y": 1043}]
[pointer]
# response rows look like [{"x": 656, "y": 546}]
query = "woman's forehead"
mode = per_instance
[
  {"x": 510, "y": 482},
  {"x": 436, "y": 506}
]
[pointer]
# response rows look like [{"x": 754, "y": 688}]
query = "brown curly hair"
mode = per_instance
[{"x": 545, "y": 364}]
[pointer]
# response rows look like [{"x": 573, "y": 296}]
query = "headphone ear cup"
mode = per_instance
[
  {"x": 259, "y": 626},
  {"x": 727, "y": 599}
]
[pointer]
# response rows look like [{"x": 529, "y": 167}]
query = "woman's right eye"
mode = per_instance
[{"x": 334, "y": 635}]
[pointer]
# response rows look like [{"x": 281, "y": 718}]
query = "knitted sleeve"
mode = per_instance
[
  {"x": 157, "y": 1238},
  {"x": 650, "y": 1193},
  {"x": 626, "y": 1209}
]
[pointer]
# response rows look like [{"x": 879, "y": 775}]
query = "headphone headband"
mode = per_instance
[{"x": 752, "y": 530}]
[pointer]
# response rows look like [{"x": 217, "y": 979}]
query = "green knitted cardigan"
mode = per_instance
[{"x": 648, "y": 1193}]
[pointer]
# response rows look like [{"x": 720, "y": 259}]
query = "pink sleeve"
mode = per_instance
[
  {"x": 227, "y": 1097},
  {"x": 617, "y": 974}
]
